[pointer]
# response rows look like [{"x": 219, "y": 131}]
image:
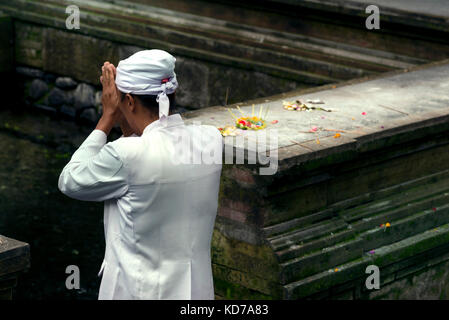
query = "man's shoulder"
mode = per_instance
[{"x": 126, "y": 146}]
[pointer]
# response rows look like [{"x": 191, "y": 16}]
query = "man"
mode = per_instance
[{"x": 159, "y": 211}]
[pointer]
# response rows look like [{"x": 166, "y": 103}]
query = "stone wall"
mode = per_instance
[
  {"x": 376, "y": 194},
  {"x": 201, "y": 84},
  {"x": 62, "y": 95}
]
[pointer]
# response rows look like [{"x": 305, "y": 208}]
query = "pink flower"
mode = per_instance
[{"x": 364, "y": 113}]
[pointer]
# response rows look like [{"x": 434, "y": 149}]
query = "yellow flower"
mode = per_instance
[{"x": 387, "y": 225}]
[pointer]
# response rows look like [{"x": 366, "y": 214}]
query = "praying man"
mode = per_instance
[{"x": 160, "y": 202}]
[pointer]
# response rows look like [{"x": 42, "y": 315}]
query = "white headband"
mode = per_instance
[{"x": 149, "y": 72}]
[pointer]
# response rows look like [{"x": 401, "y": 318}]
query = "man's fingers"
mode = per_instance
[{"x": 110, "y": 73}]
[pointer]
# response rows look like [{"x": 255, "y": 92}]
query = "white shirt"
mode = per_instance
[{"x": 159, "y": 213}]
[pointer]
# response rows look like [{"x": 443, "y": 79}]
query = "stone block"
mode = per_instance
[
  {"x": 29, "y": 44},
  {"x": 66, "y": 83},
  {"x": 84, "y": 96},
  {"x": 38, "y": 89},
  {"x": 6, "y": 42},
  {"x": 77, "y": 56},
  {"x": 14, "y": 259}
]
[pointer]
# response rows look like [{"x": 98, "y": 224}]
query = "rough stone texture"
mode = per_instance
[
  {"x": 6, "y": 39},
  {"x": 193, "y": 79},
  {"x": 30, "y": 72},
  {"x": 38, "y": 89},
  {"x": 58, "y": 97},
  {"x": 66, "y": 83},
  {"x": 220, "y": 63},
  {"x": 84, "y": 96},
  {"x": 14, "y": 259},
  {"x": 98, "y": 95},
  {"x": 68, "y": 110},
  {"x": 29, "y": 45},
  {"x": 89, "y": 114},
  {"x": 323, "y": 207}
]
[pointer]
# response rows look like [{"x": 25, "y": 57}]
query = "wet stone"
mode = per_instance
[
  {"x": 66, "y": 83},
  {"x": 89, "y": 114},
  {"x": 68, "y": 111},
  {"x": 38, "y": 89},
  {"x": 30, "y": 72},
  {"x": 84, "y": 96},
  {"x": 58, "y": 97}
]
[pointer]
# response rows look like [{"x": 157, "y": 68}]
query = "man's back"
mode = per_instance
[{"x": 159, "y": 224}]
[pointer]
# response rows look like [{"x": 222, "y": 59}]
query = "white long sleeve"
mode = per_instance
[{"x": 95, "y": 171}]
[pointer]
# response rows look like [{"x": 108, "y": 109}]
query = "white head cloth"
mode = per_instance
[{"x": 149, "y": 72}]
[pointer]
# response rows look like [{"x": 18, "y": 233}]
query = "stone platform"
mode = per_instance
[
  {"x": 14, "y": 259},
  {"x": 326, "y": 208}
]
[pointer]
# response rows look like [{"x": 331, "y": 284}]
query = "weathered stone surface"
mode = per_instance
[
  {"x": 29, "y": 45},
  {"x": 6, "y": 41},
  {"x": 193, "y": 79},
  {"x": 58, "y": 97},
  {"x": 98, "y": 96},
  {"x": 89, "y": 114},
  {"x": 30, "y": 72},
  {"x": 66, "y": 83},
  {"x": 76, "y": 55},
  {"x": 68, "y": 110},
  {"x": 84, "y": 96},
  {"x": 38, "y": 89},
  {"x": 14, "y": 259}
]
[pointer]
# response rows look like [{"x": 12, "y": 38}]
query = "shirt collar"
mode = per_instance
[{"x": 173, "y": 120}]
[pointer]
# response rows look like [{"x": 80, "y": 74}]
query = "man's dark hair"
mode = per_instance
[{"x": 149, "y": 101}]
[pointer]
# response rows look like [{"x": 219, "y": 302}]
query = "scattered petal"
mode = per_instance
[
  {"x": 314, "y": 129},
  {"x": 382, "y": 127},
  {"x": 336, "y": 270},
  {"x": 434, "y": 209},
  {"x": 353, "y": 118},
  {"x": 323, "y": 117},
  {"x": 274, "y": 121},
  {"x": 337, "y": 135},
  {"x": 387, "y": 225},
  {"x": 364, "y": 113},
  {"x": 317, "y": 141}
]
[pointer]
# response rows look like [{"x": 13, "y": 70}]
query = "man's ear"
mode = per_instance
[{"x": 130, "y": 102}]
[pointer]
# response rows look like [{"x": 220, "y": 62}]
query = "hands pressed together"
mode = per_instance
[{"x": 110, "y": 101}]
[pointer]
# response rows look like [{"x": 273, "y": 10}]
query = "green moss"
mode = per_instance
[{"x": 236, "y": 291}]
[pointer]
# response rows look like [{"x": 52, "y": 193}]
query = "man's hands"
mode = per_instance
[{"x": 110, "y": 99}]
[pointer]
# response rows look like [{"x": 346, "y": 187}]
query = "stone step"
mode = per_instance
[
  {"x": 388, "y": 257},
  {"x": 306, "y": 59},
  {"x": 356, "y": 204},
  {"x": 291, "y": 246},
  {"x": 341, "y": 253},
  {"x": 306, "y": 234},
  {"x": 293, "y": 242},
  {"x": 294, "y": 250}
]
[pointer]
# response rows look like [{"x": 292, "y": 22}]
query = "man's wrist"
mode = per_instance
[{"x": 105, "y": 124}]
